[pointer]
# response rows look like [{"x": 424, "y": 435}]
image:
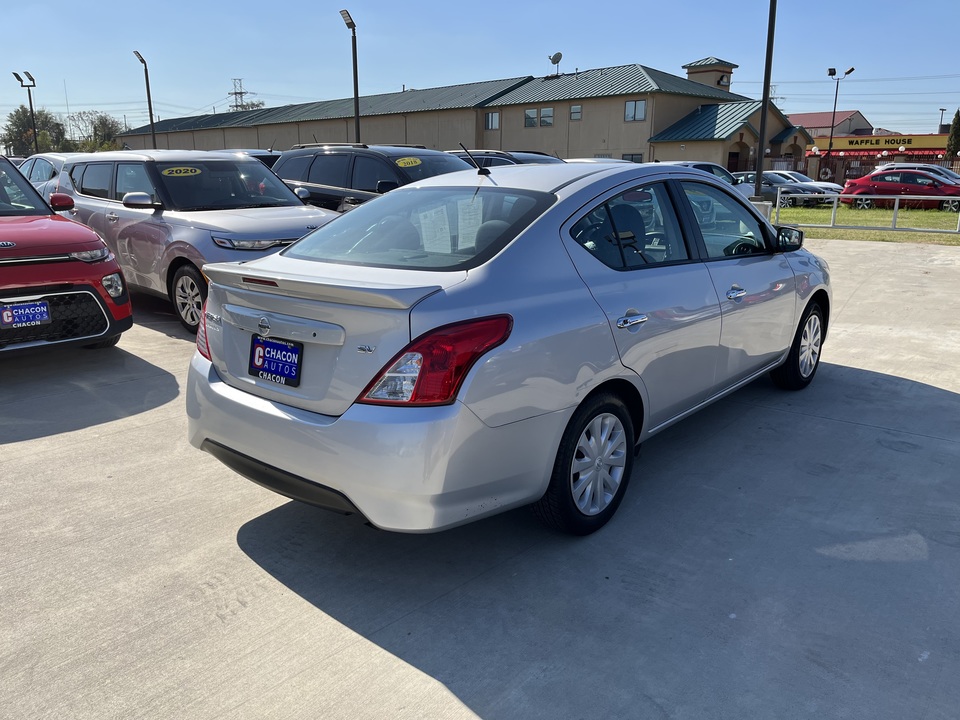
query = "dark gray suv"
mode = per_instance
[{"x": 339, "y": 176}]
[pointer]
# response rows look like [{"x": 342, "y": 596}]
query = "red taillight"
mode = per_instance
[
  {"x": 202, "y": 347},
  {"x": 431, "y": 369}
]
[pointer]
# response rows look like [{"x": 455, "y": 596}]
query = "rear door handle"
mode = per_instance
[{"x": 630, "y": 321}]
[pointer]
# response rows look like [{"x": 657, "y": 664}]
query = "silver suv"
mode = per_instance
[{"x": 165, "y": 213}]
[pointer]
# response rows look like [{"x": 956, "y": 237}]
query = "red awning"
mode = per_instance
[{"x": 892, "y": 155}]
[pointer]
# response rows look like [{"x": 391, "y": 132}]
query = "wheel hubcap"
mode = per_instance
[
  {"x": 810, "y": 346},
  {"x": 188, "y": 299},
  {"x": 598, "y": 464}
]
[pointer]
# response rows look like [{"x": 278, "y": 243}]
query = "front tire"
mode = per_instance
[
  {"x": 188, "y": 292},
  {"x": 951, "y": 205},
  {"x": 786, "y": 201},
  {"x": 592, "y": 468},
  {"x": 803, "y": 360}
]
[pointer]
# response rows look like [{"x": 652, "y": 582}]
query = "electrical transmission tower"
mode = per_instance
[{"x": 238, "y": 94}]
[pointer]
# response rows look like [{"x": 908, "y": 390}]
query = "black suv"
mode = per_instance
[
  {"x": 492, "y": 158},
  {"x": 341, "y": 175}
]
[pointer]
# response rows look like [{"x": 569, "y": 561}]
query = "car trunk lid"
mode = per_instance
[{"x": 313, "y": 341}]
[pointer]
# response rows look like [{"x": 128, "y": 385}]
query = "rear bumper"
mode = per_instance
[{"x": 403, "y": 469}]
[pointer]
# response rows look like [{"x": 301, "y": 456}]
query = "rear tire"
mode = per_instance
[
  {"x": 862, "y": 203},
  {"x": 592, "y": 468},
  {"x": 803, "y": 360},
  {"x": 188, "y": 292}
]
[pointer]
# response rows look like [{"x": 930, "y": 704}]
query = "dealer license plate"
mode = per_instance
[
  {"x": 276, "y": 361},
  {"x": 26, "y": 314}
]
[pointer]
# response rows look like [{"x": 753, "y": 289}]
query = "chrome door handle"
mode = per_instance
[
  {"x": 630, "y": 321},
  {"x": 734, "y": 293},
  {"x": 112, "y": 217}
]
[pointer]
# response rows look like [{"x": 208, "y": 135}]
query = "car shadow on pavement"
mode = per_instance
[
  {"x": 48, "y": 391},
  {"x": 766, "y": 548},
  {"x": 157, "y": 314}
]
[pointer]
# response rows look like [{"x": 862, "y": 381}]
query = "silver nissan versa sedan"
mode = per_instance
[{"x": 489, "y": 339}]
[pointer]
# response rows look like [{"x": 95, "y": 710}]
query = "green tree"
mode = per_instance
[
  {"x": 953, "y": 140},
  {"x": 96, "y": 130},
  {"x": 18, "y": 134}
]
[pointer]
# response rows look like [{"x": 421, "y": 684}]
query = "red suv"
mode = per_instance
[
  {"x": 902, "y": 182},
  {"x": 59, "y": 283}
]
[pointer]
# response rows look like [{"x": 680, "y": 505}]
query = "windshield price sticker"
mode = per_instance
[
  {"x": 276, "y": 361},
  {"x": 408, "y": 162},
  {"x": 24, "y": 315},
  {"x": 180, "y": 171}
]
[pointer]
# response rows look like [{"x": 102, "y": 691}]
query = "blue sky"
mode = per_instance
[{"x": 81, "y": 52}]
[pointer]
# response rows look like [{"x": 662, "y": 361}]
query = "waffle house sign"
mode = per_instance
[{"x": 867, "y": 144}]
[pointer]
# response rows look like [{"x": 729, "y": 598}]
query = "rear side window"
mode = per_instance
[
  {"x": 96, "y": 180},
  {"x": 329, "y": 170}
]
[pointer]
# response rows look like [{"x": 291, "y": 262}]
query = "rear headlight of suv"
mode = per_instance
[{"x": 431, "y": 369}]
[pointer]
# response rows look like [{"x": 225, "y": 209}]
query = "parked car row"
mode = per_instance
[{"x": 918, "y": 186}]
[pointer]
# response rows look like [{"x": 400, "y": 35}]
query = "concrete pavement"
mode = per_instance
[{"x": 779, "y": 555}]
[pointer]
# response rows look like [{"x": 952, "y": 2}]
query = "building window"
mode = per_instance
[
  {"x": 530, "y": 118},
  {"x": 491, "y": 121},
  {"x": 633, "y": 157},
  {"x": 576, "y": 112},
  {"x": 635, "y": 111},
  {"x": 546, "y": 117}
]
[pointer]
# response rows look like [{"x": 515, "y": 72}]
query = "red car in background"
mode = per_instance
[
  {"x": 59, "y": 283},
  {"x": 859, "y": 192}
]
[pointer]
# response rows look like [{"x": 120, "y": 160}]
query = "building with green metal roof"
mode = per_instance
[{"x": 633, "y": 112}]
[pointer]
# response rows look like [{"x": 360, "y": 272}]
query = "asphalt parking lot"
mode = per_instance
[{"x": 777, "y": 556}]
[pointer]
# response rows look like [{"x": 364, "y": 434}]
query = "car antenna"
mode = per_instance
[
  {"x": 480, "y": 170},
  {"x": 272, "y": 144}
]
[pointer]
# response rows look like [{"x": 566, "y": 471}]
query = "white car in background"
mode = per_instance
[{"x": 799, "y": 177}]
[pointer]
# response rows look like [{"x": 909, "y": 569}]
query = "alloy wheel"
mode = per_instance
[
  {"x": 810, "y": 342},
  {"x": 188, "y": 299}
]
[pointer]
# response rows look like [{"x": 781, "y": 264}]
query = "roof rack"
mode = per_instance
[{"x": 298, "y": 146}]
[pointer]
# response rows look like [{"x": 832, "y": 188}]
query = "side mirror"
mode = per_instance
[
  {"x": 386, "y": 186},
  {"x": 789, "y": 238},
  {"x": 140, "y": 200},
  {"x": 61, "y": 201},
  {"x": 302, "y": 193}
]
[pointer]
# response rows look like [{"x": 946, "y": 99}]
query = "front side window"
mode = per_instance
[
  {"x": 546, "y": 117},
  {"x": 369, "y": 172},
  {"x": 727, "y": 227},
  {"x": 634, "y": 229},
  {"x": 437, "y": 229},
  {"x": 576, "y": 112},
  {"x": 491, "y": 121},
  {"x": 132, "y": 177},
  {"x": 530, "y": 118},
  {"x": 635, "y": 110}
]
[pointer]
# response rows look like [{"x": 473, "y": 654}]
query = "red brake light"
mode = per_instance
[
  {"x": 431, "y": 369},
  {"x": 202, "y": 347}
]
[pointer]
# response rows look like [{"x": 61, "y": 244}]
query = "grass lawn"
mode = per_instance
[{"x": 873, "y": 224}]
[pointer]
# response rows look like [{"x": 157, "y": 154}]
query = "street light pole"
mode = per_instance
[
  {"x": 352, "y": 26},
  {"x": 146, "y": 77},
  {"x": 832, "y": 72},
  {"x": 30, "y": 83},
  {"x": 940, "y": 126}
]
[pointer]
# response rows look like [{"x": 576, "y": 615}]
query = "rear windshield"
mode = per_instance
[
  {"x": 223, "y": 185},
  {"x": 17, "y": 196},
  {"x": 440, "y": 229}
]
